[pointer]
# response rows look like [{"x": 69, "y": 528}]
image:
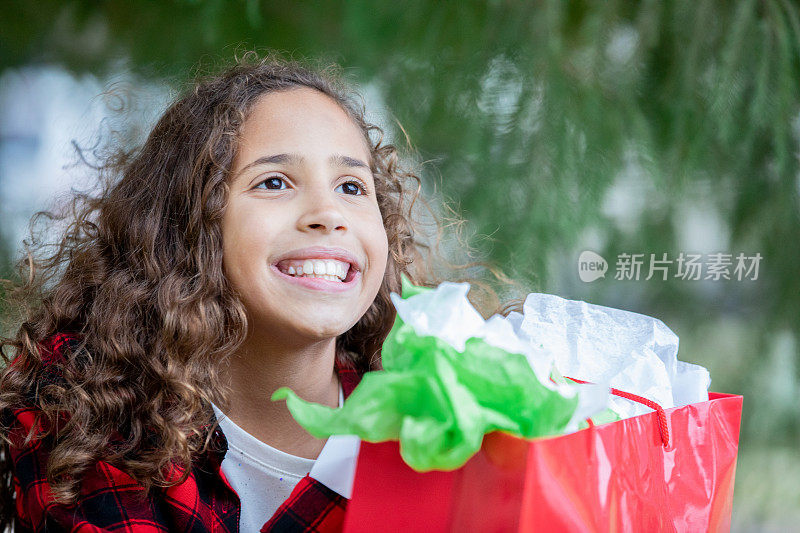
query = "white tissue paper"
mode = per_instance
[
  {"x": 628, "y": 351},
  {"x": 608, "y": 347}
]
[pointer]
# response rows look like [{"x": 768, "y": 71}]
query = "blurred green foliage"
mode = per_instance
[{"x": 534, "y": 114}]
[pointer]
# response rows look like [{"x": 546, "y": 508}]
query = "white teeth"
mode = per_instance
[
  {"x": 320, "y": 268},
  {"x": 320, "y": 276}
]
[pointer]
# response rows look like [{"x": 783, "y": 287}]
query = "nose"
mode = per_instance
[{"x": 321, "y": 212}]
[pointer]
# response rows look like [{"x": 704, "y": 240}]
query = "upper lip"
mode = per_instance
[{"x": 321, "y": 252}]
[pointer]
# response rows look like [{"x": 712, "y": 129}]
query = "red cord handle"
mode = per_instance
[{"x": 662, "y": 416}]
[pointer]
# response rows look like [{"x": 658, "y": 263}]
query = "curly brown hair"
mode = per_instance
[{"x": 137, "y": 273}]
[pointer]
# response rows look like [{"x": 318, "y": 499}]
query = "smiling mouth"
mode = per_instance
[
  {"x": 349, "y": 276},
  {"x": 327, "y": 269},
  {"x": 322, "y": 281}
]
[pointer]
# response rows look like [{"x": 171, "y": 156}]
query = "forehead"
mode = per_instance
[{"x": 300, "y": 120}]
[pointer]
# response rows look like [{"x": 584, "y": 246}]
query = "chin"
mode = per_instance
[{"x": 321, "y": 330}]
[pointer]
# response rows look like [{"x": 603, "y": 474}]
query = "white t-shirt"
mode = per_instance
[{"x": 261, "y": 475}]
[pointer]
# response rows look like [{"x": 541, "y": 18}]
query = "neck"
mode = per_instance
[{"x": 261, "y": 366}]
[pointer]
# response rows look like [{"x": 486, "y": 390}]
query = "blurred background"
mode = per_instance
[{"x": 555, "y": 128}]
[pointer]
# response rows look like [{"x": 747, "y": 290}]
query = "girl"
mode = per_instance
[{"x": 252, "y": 242}]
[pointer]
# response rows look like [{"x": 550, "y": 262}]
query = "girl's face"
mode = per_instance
[{"x": 302, "y": 194}]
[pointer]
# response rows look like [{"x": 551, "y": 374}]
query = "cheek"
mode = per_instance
[
  {"x": 380, "y": 250},
  {"x": 244, "y": 244}
]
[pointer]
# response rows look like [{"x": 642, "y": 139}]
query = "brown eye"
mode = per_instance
[
  {"x": 352, "y": 187},
  {"x": 270, "y": 183}
]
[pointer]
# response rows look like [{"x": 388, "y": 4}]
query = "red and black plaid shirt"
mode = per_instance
[{"x": 109, "y": 501}]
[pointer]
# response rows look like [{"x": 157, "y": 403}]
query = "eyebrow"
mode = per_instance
[{"x": 336, "y": 160}]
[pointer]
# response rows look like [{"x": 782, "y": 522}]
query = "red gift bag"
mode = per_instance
[{"x": 621, "y": 476}]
